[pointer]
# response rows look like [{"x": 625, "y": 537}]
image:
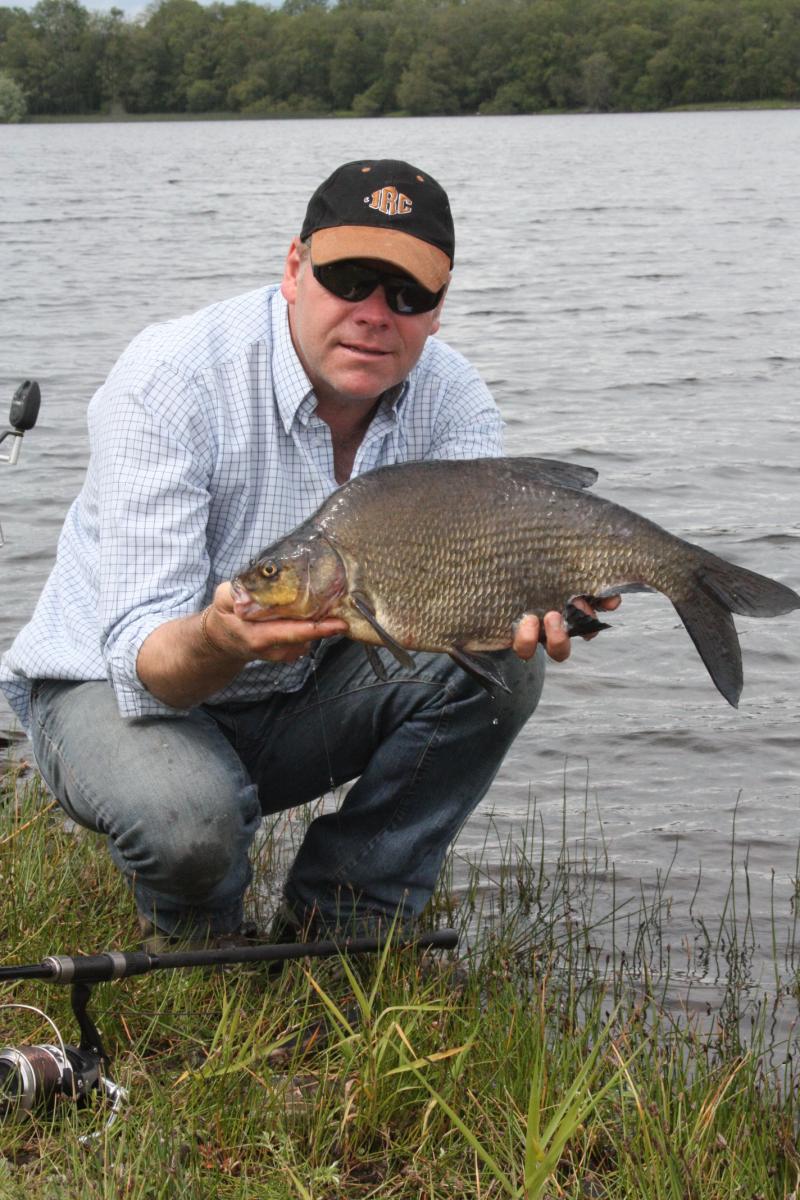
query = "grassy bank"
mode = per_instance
[{"x": 549, "y": 1073}]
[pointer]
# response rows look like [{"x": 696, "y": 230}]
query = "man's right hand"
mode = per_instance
[
  {"x": 186, "y": 660},
  {"x": 255, "y": 637}
]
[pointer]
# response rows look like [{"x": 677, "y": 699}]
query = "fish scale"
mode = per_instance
[
  {"x": 486, "y": 553},
  {"x": 447, "y": 556}
]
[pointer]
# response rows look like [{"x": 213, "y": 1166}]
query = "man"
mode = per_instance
[{"x": 161, "y": 718}]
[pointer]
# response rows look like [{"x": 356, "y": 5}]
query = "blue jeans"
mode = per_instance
[{"x": 180, "y": 799}]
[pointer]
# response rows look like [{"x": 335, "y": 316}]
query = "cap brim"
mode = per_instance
[{"x": 429, "y": 265}]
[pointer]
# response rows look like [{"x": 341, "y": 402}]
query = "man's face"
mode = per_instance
[{"x": 351, "y": 352}]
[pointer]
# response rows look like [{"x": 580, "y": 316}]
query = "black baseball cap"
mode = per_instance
[{"x": 384, "y": 209}]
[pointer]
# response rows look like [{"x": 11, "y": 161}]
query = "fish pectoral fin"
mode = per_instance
[
  {"x": 579, "y": 623},
  {"x": 368, "y": 613},
  {"x": 481, "y": 667},
  {"x": 374, "y": 660}
]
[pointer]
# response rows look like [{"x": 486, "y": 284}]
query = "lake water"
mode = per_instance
[{"x": 629, "y": 286}]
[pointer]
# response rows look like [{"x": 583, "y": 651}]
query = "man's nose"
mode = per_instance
[{"x": 374, "y": 308}]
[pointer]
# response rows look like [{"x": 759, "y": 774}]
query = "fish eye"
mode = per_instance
[{"x": 268, "y": 569}]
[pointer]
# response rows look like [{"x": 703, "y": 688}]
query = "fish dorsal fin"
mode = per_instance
[{"x": 552, "y": 470}]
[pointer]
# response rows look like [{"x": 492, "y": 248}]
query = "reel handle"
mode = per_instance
[{"x": 25, "y": 406}]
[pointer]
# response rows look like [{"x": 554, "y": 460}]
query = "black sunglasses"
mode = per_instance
[{"x": 354, "y": 281}]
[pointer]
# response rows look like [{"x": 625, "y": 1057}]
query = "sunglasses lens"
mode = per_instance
[
  {"x": 347, "y": 280},
  {"x": 406, "y": 297},
  {"x": 354, "y": 282}
]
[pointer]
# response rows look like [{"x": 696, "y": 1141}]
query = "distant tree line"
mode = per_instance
[{"x": 370, "y": 57}]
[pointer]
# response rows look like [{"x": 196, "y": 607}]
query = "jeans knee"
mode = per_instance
[
  {"x": 525, "y": 681},
  {"x": 506, "y": 711},
  {"x": 188, "y": 848},
  {"x": 195, "y": 863}
]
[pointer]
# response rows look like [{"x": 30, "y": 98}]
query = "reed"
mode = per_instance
[{"x": 554, "y": 1069}]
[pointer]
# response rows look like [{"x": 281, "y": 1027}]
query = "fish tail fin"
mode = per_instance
[
  {"x": 743, "y": 591},
  {"x": 711, "y": 628},
  {"x": 721, "y": 588}
]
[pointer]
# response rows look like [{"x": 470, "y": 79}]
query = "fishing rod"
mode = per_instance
[{"x": 33, "y": 1076}]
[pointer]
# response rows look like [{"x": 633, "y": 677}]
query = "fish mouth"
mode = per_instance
[
  {"x": 246, "y": 605},
  {"x": 243, "y": 603}
]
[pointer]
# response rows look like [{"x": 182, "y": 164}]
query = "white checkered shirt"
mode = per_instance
[{"x": 206, "y": 447}]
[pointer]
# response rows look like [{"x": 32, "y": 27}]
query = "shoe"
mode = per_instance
[
  {"x": 301, "y": 1040},
  {"x": 156, "y": 941},
  {"x": 288, "y": 927},
  {"x": 431, "y": 966}
]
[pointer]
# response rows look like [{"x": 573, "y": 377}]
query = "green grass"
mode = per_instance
[{"x": 556, "y": 1071}]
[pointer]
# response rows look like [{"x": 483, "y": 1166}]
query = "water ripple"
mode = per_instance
[{"x": 635, "y": 309}]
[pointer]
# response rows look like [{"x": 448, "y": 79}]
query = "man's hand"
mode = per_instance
[
  {"x": 255, "y": 637},
  {"x": 557, "y": 643},
  {"x": 186, "y": 660}
]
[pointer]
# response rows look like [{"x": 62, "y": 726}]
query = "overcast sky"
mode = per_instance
[{"x": 129, "y": 7}]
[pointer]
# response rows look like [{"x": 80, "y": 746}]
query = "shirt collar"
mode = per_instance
[
  {"x": 295, "y": 386},
  {"x": 392, "y": 397}
]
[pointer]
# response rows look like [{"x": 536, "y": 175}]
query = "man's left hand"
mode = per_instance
[{"x": 557, "y": 642}]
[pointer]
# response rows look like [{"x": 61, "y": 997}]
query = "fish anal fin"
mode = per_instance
[
  {"x": 581, "y": 624},
  {"x": 481, "y": 667},
  {"x": 374, "y": 660},
  {"x": 366, "y": 610}
]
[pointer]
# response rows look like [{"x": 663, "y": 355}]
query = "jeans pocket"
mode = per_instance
[
  {"x": 225, "y": 720},
  {"x": 41, "y": 689}
]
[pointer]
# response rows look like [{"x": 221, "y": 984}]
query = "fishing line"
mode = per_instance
[{"x": 325, "y": 746}]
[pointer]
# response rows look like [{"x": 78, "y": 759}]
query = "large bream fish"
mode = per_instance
[{"x": 447, "y": 556}]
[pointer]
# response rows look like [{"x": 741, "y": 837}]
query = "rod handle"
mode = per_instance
[{"x": 94, "y": 968}]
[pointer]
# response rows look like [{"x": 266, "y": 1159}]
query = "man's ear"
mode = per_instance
[{"x": 291, "y": 270}]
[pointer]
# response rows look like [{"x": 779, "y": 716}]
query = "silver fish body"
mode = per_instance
[{"x": 448, "y": 556}]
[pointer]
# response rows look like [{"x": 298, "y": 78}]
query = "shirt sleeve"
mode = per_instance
[
  {"x": 153, "y": 457},
  {"x": 468, "y": 422}
]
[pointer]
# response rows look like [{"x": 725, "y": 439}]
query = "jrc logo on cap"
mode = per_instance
[{"x": 390, "y": 202}]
